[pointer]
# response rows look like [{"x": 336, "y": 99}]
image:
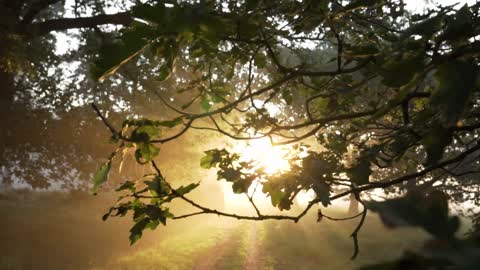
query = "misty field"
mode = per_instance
[{"x": 58, "y": 231}]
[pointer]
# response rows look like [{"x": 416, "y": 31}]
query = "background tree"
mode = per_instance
[{"x": 46, "y": 90}]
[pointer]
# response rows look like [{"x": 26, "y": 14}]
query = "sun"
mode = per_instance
[{"x": 272, "y": 158}]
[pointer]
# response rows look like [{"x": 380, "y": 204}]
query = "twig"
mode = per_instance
[
  {"x": 104, "y": 120},
  {"x": 354, "y": 234}
]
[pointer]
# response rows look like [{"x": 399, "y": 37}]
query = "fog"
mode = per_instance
[
  {"x": 61, "y": 231},
  {"x": 64, "y": 230}
]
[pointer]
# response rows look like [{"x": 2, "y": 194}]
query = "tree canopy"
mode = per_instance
[{"x": 366, "y": 96}]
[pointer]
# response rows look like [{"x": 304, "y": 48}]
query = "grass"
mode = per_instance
[
  {"x": 54, "y": 231},
  {"x": 179, "y": 251}
]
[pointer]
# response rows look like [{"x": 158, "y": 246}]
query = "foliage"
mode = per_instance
[
  {"x": 445, "y": 250},
  {"x": 389, "y": 98}
]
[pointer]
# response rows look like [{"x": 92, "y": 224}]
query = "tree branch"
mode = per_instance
[
  {"x": 354, "y": 234},
  {"x": 42, "y": 28}
]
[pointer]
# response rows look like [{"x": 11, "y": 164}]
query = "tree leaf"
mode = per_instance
[
  {"x": 429, "y": 211},
  {"x": 164, "y": 73},
  {"x": 150, "y": 130},
  {"x": 205, "y": 103},
  {"x": 460, "y": 26},
  {"x": 276, "y": 196},
  {"x": 241, "y": 186},
  {"x": 456, "y": 82},
  {"x": 146, "y": 152},
  {"x": 171, "y": 123},
  {"x": 435, "y": 142},
  {"x": 155, "y": 214},
  {"x": 398, "y": 72},
  {"x": 360, "y": 173},
  {"x": 287, "y": 97},
  {"x": 101, "y": 176},
  {"x": 182, "y": 190},
  {"x": 137, "y": 230},
  {"x": 251, "y": 4},
  {"x": 260, "y": 60},
  {"x": 126, "y": 185},
  {"x": 211, "y": 158},
  {"x": 323, "y": 192},
  {"x": 425, "y": 28}
]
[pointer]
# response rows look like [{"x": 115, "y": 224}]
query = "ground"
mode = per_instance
[{"x": 55, "y": 231}]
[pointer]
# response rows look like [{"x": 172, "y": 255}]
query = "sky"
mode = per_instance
[{"x": 419, "y": 5}]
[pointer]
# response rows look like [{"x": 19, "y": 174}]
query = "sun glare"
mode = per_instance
[
  {"x": 271, "y": 158},
  {"x": 264, "y": 155}
]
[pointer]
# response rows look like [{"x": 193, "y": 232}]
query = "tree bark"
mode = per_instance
[{"x": 42, "y": 28}]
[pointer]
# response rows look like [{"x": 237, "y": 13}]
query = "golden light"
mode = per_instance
[
  {"x": 261, "y": 151},
  {"x": 273, "y": 160}
]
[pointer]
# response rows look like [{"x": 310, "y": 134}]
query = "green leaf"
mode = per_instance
[
  {"x": 157, "y": 214},
  {"x": 360, "y": 173},
  {"x": 287, "y": 97},
  {"x": 229, "y": 174},
  {"x": 113, "y": 55},
  {"x": 456, "y": 82},
  {"x": 171, "y": 123},
  {"x": 323, "y": 192},
  {"x": 260, "y": 60},
  {"x": 146, "y": 152},
  {"x": 206, "y": 162},
  {"x": 241, "y": 186},
  {"x": 126, "y": 185},
  {"x": 230, "y": 71},
  {"x": 150, "y": 130},
  {"x": 461, "y": 26},
  {"x": 164, "y": 73},
  {"x": 137, "y": 230},
  {"x": 211, "y": 158},
  {"x": 101, "y": 176},
  {"x": 435, "y": 142},
  {"x": 114, "y": 69},
  {"x": 398, "y": 72},
  {"x": 186, "y": 189},
  {"x": 107, "y": 215},
  {"x": 399, "y": 97},
  {"x": 276, "y": 196},
  {"x": 156, "y": 186},
  {"x": 205, "y": 103},
  {"x": 425, "y": 28},
  {"x": 251, "y": 4}
]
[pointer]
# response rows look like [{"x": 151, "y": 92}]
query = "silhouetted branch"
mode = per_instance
[{"x": 354, "y": 234}]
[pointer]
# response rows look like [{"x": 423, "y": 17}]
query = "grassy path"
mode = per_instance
[
  {"x": 212, "y": 256},
  {"x": 54, "y": 233},
  {"x": 254, "y": 249}
]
